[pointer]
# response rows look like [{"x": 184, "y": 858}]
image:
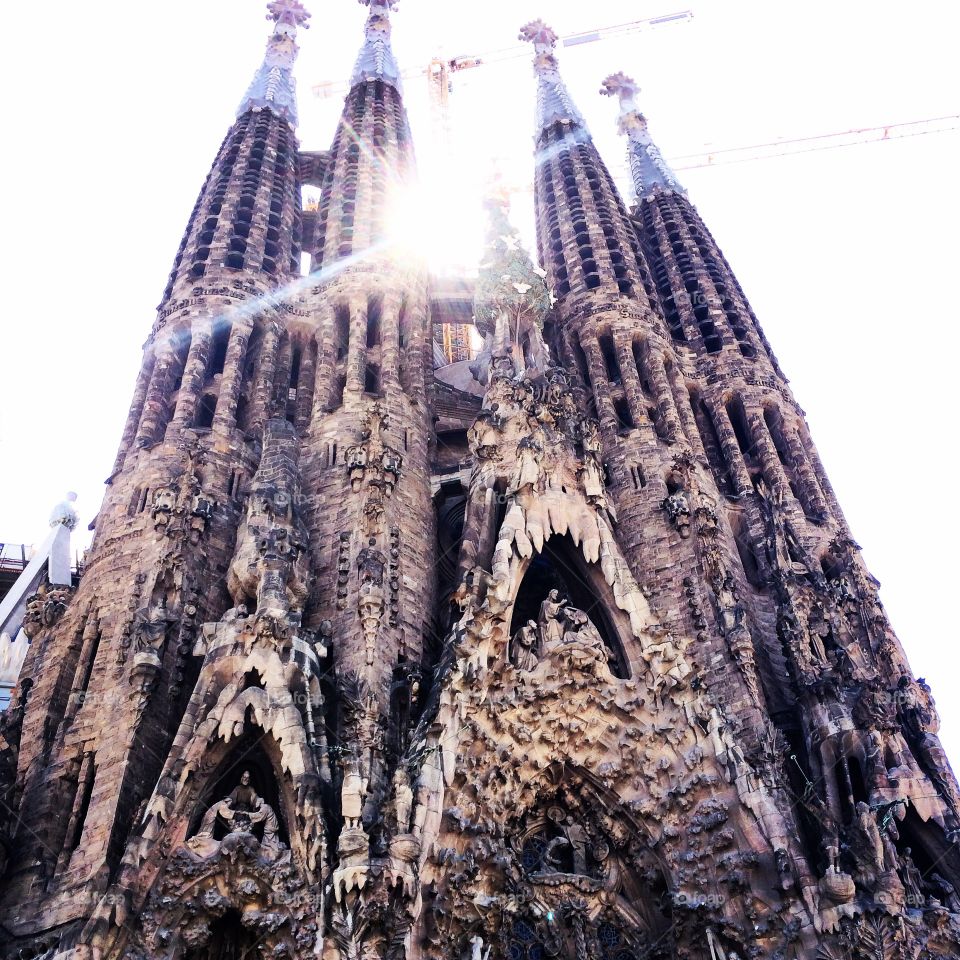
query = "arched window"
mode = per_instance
[
  {"x": 741, "y": 429},
  {"x": 374, "y": 315},
  {"x": 205, "y": 411},
  {"x": 218, "y": 351},
  {"x": 610, "y": 357}
]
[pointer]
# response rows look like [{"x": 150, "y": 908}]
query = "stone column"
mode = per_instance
[
  {"x": 688, "y": 423},
  {"x": 390, "y": 343},
  {"x": 194, "y": 373},
  {"x": 155, "y": 415},
  {"x": 281, "y": 378},
  {"x": 326, "y": 375},
  {"x": 666, "y": 408},
  {"x": 231, "y": 382},
  {"x": 306, "y": 385},
  {"x": 631, "y": 382},
  {"x": 266, "y": 370},
  {"x": 601, "y": 388},
  {"x": 806, "y": 479},
  {"x": 414, "y": 360},
  {"x": 773, "y": 470},
  {"x": 739, "y": 475},
  {"x": 84, "y": 787},
  {"x": 136, "y": 408},
  {"x": 356, "y": 346}
]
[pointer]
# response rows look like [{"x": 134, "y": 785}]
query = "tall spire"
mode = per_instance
[
  {"x": 376, "y": 60},
  {"x": 274, "y": 87},
  {"x": 554, "y": 103},
  {"x": 649, "y": 170}
]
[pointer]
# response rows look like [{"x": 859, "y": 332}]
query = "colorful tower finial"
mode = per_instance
[
  {"x": 649, "y": 170},
  {"x": 554, "y": 103},
  {"x": 274, "y": 87},
  {"x": 376, "y": 60}
]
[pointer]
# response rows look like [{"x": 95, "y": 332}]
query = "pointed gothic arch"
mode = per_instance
[
  {"x": 560, "y": 565},
  {"x": 251, "y": 754}
]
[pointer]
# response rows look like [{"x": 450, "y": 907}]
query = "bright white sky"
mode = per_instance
[{"x": 114, "y": 113}]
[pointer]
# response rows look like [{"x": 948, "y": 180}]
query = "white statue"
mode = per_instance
[
  {"x": 476, "y": 948},
  {"x": 63, "y": 513}
]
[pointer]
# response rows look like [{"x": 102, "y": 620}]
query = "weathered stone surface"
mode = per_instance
[{"x": 583, "y": 663}]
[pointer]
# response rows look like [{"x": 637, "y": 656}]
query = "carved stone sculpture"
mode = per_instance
[{"x": 523, "y": 647}]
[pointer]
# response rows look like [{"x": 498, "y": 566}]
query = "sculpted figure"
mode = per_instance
[
  {"x": 270, "y": 843},
  {"x": 243, "y": 796},
  {"x": 357, "y": 457},
  {"x": 391, "y": 461},
  {"x": 945, "y": 892},
  {"x": 921, "y": 724},
  {"x": 486, "y": 434},
  {"x": 151, "y": 629},
  {"x": 592, "y": 460},
  {"x": 372, "y": 564},
  {"x": 551, "y": 853},
  {"x": 63, "y": 514},
  {"x": 523, "y": 647},
  {"x": 867, "y": 840},
  {"x": 912, "y": 879},
  {"x": 730, "y": 607},
  {"x": 527, "y": 471},
  {"x": 476, "y": 949},
  {"x": 820, "y": 633},
  {"x": 551, "y": 619},
  {"x": 352, "y": 794},
  {"x": 241, "y": 811},
  {"x": 580, "y": 629},
  {"x": 678, "y": 509},
  {"x": 403, "y": 799},
  {"x": 667, "y": 662},
  {"x": 164, "y": 503}
]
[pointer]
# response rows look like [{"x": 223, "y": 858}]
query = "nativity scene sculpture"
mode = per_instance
[
  {"x": 561, "y": 631},
  {"x": 241, "y": 811}
]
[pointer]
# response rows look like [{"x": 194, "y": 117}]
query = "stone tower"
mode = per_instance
[{"x": 581, "y": 662}]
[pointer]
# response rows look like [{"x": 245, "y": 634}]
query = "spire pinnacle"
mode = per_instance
[
  {"x": 376, "y": 60},
  {"x": 554, "y": 103},
  {"x": 273, "y": 87},
  {"x": 649, "y": 170}
]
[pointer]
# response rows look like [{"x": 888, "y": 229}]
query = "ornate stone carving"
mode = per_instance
[
  {"x": 240, "y": 812},
  {"x": 45, "y": 608}
]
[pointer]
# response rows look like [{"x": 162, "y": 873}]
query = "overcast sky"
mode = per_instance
[{"x": 114, "y": 113}]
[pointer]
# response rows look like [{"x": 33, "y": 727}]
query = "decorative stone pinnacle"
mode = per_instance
[
  {"x": 649, "y": 170},
  {"x": 622, "y": 86},
  {"x": 376, "y": 60},
  {"x": 539, "y": 34},
  {"x": 290, "y": 12},
  {"x": 273, "y": 87},
  {"x": 554, "y": 103}
]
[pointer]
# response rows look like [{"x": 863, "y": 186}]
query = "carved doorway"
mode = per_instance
[{"x": 229, "y": 940}]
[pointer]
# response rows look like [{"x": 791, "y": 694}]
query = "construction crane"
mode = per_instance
[
  {"x": 822, "y": 141},
  {"x": 440, "y": 70}
]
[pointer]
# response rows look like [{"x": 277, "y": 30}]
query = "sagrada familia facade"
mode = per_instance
[{"x": 581, "y": 662}]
